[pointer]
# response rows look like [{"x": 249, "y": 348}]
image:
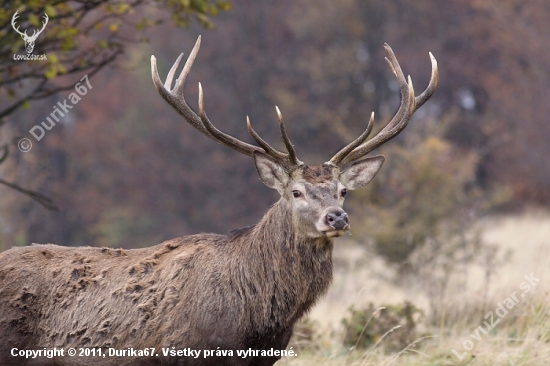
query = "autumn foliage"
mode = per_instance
[{"x": 127, "y": 171}]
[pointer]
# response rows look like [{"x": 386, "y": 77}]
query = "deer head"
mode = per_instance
[
  {"x": 29, "y": 40},
  {"x": 314, "y": 194}
]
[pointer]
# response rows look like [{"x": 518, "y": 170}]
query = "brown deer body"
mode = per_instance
[{"x": 240, "y": 291}]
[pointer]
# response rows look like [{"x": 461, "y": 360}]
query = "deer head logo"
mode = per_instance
[{"x": 29, "y": 40}]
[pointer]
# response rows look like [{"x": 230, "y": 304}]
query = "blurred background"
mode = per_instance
[{"x": 460, "y": 205}]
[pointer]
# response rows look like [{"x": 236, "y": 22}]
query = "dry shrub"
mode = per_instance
[
  {"x": 305, "y": 336},
  {"x": 391, "y": 326}
]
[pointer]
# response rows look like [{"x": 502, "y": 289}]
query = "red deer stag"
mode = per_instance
[{"x": 217, "y": 294}]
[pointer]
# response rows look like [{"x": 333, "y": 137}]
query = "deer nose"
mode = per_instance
[{"x": 338, "y": 219}]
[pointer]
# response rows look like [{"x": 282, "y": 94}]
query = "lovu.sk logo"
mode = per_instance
[{"x": 29, "y": 40}]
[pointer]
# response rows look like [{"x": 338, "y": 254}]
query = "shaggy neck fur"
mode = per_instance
[{"x": 292, "y": 274}]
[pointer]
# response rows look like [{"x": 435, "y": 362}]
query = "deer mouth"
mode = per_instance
[
  {"x": 332, "y": 226},
  {"x": 336, "y": 233}
]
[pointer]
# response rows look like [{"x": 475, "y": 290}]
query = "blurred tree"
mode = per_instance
[
  {"x": 425, "y": 195},
  {"x": 128, "y": 160},
  {"x": 77, "y": 38},
  {"x": 496, "y": 68}
]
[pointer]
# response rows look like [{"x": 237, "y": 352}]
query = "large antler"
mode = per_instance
[
  {"x": 13, "y": 19},
  {"x": 35, "y": 32},
  {"x": 409, "y": 104},
  {"x": 175, "y": 97}
]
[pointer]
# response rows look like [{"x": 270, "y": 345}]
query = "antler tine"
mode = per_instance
[
  {"x": 268, "y": 149},
  {"x": 220, "y": 136},
  {"x": 403, "y": 110},
  {"x": 434, "y": 79},
  {"x": 288, "y": 144},
  {"x": 46, "y": 18},
  {"x": 13, "y": 20},
  {"x": 177, "y": 102},
  {"x": 392, "y": 129},
  {"x": 409, "y": 104},
  {"x": 340, "y": 155},
  {"x": 170, "y": 77},
  {"x": 180, "y": 81},
  {"x": 36, "y": 32},
  {"x": 175, "y": 97}
]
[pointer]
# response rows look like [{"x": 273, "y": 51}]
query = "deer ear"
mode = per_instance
[
  {"x": 360, "y": 173},
  {"x": 271, "y": 173}
]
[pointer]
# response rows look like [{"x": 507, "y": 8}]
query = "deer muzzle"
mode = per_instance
[
  {"x": 334, "y": 222},
  {"x": 338, "y": 219}
]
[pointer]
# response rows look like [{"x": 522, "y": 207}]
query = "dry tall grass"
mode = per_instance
[{"x": 520, "y": 335}]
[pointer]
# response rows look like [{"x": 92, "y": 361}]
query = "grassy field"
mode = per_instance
[{"x": 499, "y": 316}]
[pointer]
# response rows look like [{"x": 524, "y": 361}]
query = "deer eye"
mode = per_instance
[
  {"x": 296, "y": 193},
  {"x": 343, "y": 192}
]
